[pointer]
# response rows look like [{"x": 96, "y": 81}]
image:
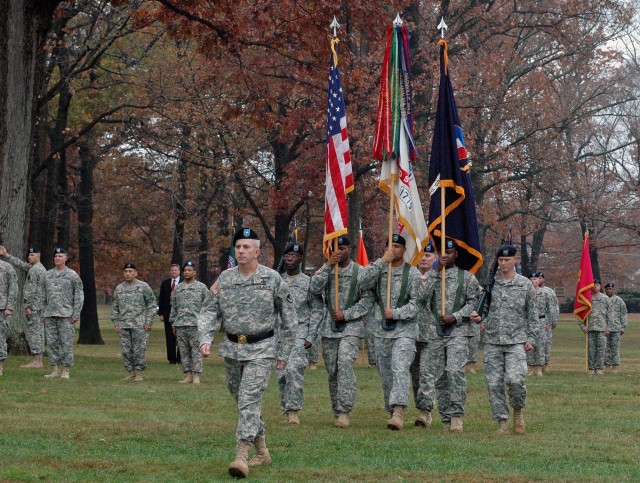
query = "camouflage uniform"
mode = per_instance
[
  {"x": 599, "y": 322},
  {"x": 62, "y": 299},
  {"x": 619, "y": 320},
  {"x": 369, "y": 338},
  {"x": 422, "y": 384},
  {"x": 186, "y": 303},
  {"x": 551, "y": 322},
  {"x": 309, "y": 312},
  {"x": 473, "y": 343},
  {"x": 8, "y": 296},
  {"x": 249, "y": 306},
  {"x": 546, "y": 314},
  {"x": 512, "y": 320},
  {"x": 133, "y": 307},
  {"x": 33, "y": 285},
  {"x": 340, "y": 349},
  {"x": 448, "y": 355},
  {"x": 396, "y": 348}
]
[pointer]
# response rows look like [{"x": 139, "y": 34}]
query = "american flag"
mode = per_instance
[{"x": 339, "y": 181}]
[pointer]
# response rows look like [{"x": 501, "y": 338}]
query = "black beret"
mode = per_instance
[
  {"x": 293, "y": 247},
  {"x": 429, "y": 248},
  {"x": 399, "y": 239},
  {"x": 129, "y": 265},
  {"x": 245, "y": 233},
  {"x": 609, "y": 285},
  {"x": 343, "y": 241},
  {"x": 596, "y": 280},
  {"x": 57, "y": 250},
  {"x": 540, "y": 275},
  {"x": 507, "y": 251},
  {"x": 450, "y": 244},
  {"x": 189, "y": 264},
  {"x": 33, "y": 250}
]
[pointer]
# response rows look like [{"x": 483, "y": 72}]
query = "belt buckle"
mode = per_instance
[{"x": 242, "y": 339}]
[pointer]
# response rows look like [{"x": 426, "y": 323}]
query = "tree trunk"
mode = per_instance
[{"x": 89, "y": 327}]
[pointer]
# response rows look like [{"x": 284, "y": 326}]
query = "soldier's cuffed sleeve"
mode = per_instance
[
  {"x": 362, "y": 307},
  {"x": 19, "y": 264},
  {"x": 150, "y": 300},
  {"x": 115, "y": 308},
  {"x": 532, "y": 329},
  {"x": 78, "y": 297},
  {"x": 209, "y": 319},
  {"x": 288, "y": 320}
]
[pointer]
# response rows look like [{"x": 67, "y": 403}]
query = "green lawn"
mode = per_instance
[{"x": 97, "y": 427}]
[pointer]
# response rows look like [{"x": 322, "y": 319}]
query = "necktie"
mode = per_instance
[{"x": 173, "y": 285}]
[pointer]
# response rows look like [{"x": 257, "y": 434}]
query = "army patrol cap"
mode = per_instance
[
  {"x": 399, "y": 239},
  {"x": 129, "y": 265},
  {"x": 610, "y": 285},
  {"x": 189, "y": 264},
  {"x": 507, "y": 251},
  {"x": 293, "y": 247},
  {"x": 57, "y": 250},
  {"x": 33, "y": 250},
  {"x": 343, "y": 241},
  {"x": 429, "y": 248},
  {"x": 245, "y": 233}
]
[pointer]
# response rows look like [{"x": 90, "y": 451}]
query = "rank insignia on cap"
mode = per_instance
[
  {"x": 129, "y": 265},
  {"x": 449, "y": 244},
  {"x": 59, "y": 250},
  {"x": 429, "y": 248},
  {"x": 189, "y": 264},
  {"x": 396, "y": 238},
  {"x": 33, "y": 250},
  {"x": 609, "y": 285},
  {"x": 343, "y": 241},
  {"x": 507, "y": 251},
  {"x": 246, "y": 232}
]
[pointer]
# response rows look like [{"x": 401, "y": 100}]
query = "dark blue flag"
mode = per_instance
[{"x": 449, "y": 171}]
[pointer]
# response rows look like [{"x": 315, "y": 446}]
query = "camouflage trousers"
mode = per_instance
[
  {"x": 394, "y": 360},
  {"x": 612, "y": 350},
  {"x": 473, "y": 343},
  {"x": 505, "y": 365},
  {"x": 4, "y": 327},
  {"x": 313, "y": 352},
  {"x": 370, "y": 343},
  {"x": 597, "y": 346},
  {"x": 339, "y": 356},
  {"x": 34, "y": 333},
  {"x": 418, "y": 372},
  {"x": 247, "y": 381},
  {"x": 60, "y": 332},
  {"x": 189, "y": 346},
  {"x": 536, "y": 356},
  {"x": 547, "y": 344},
  {"x": 291, "y": 378},
  {"x": 445, "y": 377},
  {"x": 133, "y": 343}
]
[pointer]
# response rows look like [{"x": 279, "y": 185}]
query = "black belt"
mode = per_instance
[
  {"x": 249, "y": 339},
  {"x": 542, "y": 316}
]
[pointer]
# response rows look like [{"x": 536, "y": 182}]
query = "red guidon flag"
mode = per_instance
[
  {"x": 339, "y": 182},
  {"x": 362, "y": 259},
  {"x": 582, "y": 303}
]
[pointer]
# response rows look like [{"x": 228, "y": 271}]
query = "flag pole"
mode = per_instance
[
  {"x": 392, "y": 198},
  {"x": 335, "y": 275},
  {"x": 442, "y": 26},
  {"x": 586, "y": 349}
]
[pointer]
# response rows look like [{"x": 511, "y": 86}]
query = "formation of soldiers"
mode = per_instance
[{"x": 420, "y": 341}]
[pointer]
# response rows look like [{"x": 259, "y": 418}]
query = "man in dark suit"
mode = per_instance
[{"x": 164, "y": 310}]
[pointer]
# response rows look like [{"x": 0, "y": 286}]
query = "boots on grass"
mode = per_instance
[
  {"x": 342, "y": 421},
  {"x": 456, "y": 424},
  {"x": 292, "y": 418},
  {"x": 446, "y": 426},
  {"x": 131, "y": 375},
  {"x": 139, "y": 376},
  {"x": 396, "y": 422},
  {"x": 545, "y": 368},
  {"x": 424, "y": 419},
  {"x": 33, "y": 364},
  {"x": 65, "y": 373},
  {"x": 262, "y": 456},
  {"x": 55, "y": 372},
  {"x": 239, "y": 467},
  {"x": 518, "y": 421},
  {"x": 196, "y": 378},
  {"x": 614, "y": 368},
  {"x": 502, "y": 427},
  {"x": 188, "y": 378}
]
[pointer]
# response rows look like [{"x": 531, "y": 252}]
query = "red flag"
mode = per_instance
[
  {"x": 582, "y": 303},
  {"x": 362, "y": 259}
]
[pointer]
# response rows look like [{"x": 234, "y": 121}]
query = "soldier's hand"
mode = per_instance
[
  {"x": 162, "y": 317},
  {"x": 482, "y": 327},
  {"x": 28, "y": 312},
  {"x": 584, "y": 330},
  {"x": 307, "y": 344},
  {"x": 147, "y": 327},
  {"x": 173, "y": 330},
  {"x": 334, "y": 258},
  {"x": 117, "y": 328},
  {"x": 338, "y": 315},
  {"x": 528, "y": 347},
  {"x": 388, "y": 313},
  {"x": 205, "y": 350},
  {"x": 388, "y": 256},
  {"x": 3, "y": 251},
  {"x": 475, "y": 318},
  {"x": 447, "y": 319},
  {"x": 607, "y": 333},
  {"x": 280, "y": 365},
  {"x": 74, "y": 320},
  {"x": 8, "y": 312}
]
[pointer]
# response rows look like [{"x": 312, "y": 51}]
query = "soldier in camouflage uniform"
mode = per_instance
[
  {"x": 343, "y": 329},
  {"x": 370, "y": 322},
  {"x": 309, "y": 312},
  {"x": 62, "y": 300},
  {"x": 619, "y": 321},
  {"x": 448, "y": 349},
  {"x": 250, "y": 303},
  {"x": 186, "y": 303},
  {"x": 8, "y": 296},
  {"x": 473, "y": 343},
  {"x": 511, "y": 325},
  {"x": 535, "y": 358},
  {"x": 396, "y": 332},
  {"x": 421, "y": 382},
  {"x": 551, "y": 321},
  {"x": 599, "y": 322},
  {"x": 33, "y": 285},
  {"x": 132, "y": 312}
]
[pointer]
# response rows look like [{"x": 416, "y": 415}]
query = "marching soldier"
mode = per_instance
[
  {"x": 619, "y": 321},
  {"x": 551, "y": 321},
  {"x": 535, "y": 358},
  {"x": 249, "y": 303}
]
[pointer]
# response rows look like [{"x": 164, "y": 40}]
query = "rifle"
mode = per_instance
[{"x": 485, "y": 299}]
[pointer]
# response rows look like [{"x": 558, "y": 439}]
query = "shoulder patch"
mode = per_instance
[
  {"x": 289, "y": 298},
  {"x": 215, "y": 289}
]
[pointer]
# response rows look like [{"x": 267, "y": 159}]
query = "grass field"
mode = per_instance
[{"x": 96, "y": 427}]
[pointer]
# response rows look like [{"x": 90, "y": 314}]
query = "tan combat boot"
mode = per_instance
[
  {"x": 188, "y": 378},
  {"x": 591, "y": 372},
  {"x": 33, "y": 364},
  {"x": 502, "y": 427},
  {"x": 446, "y": 426},
  {"x": 196, "y": 378},
  {"x": 424, "y": 419},
  {"x": 539, "y": 371},
  {"x": 456, "y": 424},
  {"x": 342, "y": 421},
  {"x": 292, "y": 418},
  {"x": 396, "y": 422},
  {"x": 131, "y": 375},
  {"x": 39, "y": 362},
  {"x": 530, "y": 370},
  {"x": 518, "y": 421},
  {"x": 470, "y": 368},
  {"x": 55, "y": 372},
  {"x": 312, "y": 366},
  {"x": 599, "y": 372},
  {"x": 239, "y": 467},
  {"x": 545, "y": 368},
  {"x": 262, "y": 456},
  {"x": 614, "y": 368},
  {"x": 65, "y": 373},
  {"x": 607, "y": 368},
  {"x": 139, "y": 376}
]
